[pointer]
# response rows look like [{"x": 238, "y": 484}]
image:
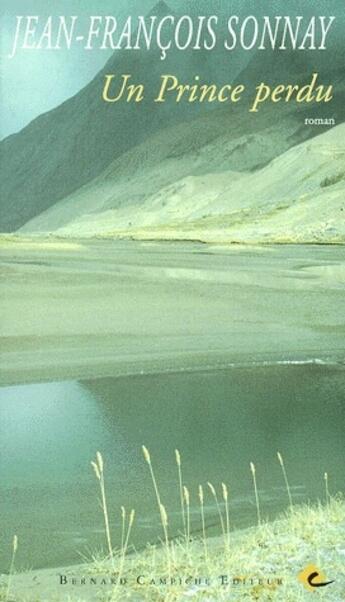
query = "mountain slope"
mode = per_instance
[
  {"x": 63, "y": 150},
  {"x": 298, "y": 196},
  {"x": 216, "y": 142}
]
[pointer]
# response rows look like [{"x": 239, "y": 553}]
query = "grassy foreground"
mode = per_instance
[{"x": 269, "y": 562}]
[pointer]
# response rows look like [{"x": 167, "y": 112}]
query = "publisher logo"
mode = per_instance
[{"x": 312, "y": 578}]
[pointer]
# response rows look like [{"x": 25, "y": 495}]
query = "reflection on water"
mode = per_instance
[{"x": 220, "y": 421}]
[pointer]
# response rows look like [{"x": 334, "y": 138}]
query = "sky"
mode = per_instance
[{"x": 35, "y": 82}]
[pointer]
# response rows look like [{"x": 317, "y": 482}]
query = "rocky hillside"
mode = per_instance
[
  {"x": 60, "y": 152},
  {"x": 298, "y": 196},
  {"x": 67, "y": 147}
]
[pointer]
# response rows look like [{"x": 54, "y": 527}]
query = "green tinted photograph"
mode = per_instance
[{"x": 172, "y": 301}]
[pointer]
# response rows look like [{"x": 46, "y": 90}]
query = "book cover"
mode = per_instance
[{"x": 172, "y": 229}]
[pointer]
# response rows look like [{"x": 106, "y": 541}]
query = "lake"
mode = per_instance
[{"x": 220, "y": 420}]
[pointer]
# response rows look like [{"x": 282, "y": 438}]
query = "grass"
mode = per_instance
[
  {"x": 328, "y": 497},
  {"x": 221, "y": 520},
  {"x": 227, "y": 514},
  {"x": 273, "y": 543},
  {"x": 260, "y": 563},
  {"x": 256, "y": 492},
  {"x": 202, "y": 514},
  {"x": 161, "y": 507},
  {"x": 11, "y": 571},
  {"x": 281, "y": 462},
  {"x": 180, "y": 482},
  {"x": 98, "y": 467}
]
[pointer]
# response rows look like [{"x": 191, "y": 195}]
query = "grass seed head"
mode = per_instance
[
  {"x": 164, "y": 515},
  {"x": 280, "y": 458},
  {"x": 15, "y": 543},
  {"x": 252, "y": 467},
  {"x": 178, "y": 457},
  {"x": 201, "y": 494},
  {"x": 212, "y": 489},
  {"x": 100, "y": 461},
  {"x": 146, "y": 454},
  {"x": 96, "y": 469},
  {"x": 225, "y": 492},
  {"x": 131, "y": 517},
  {"x": 186, "y": 495}
]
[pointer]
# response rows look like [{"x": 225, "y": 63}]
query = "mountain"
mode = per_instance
[
  {"x": 292, "y": 67},
  {"x": 296, "y": 197},
  {"x": 64, "y": 150}
]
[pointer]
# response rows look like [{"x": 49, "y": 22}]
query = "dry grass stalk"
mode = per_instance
[
  {"x": 328, "y": 496},
  {"x": 124, "y": 547},
  {"x": 147, "y": 457},
  {"x": 164, "y": 520},
  {"x": 187, "y": 502},
  {"x": 214, "y": 493},
  {"x": 11, "y": 571},
  {"x": 179, "y": 470},
  {"x": 98, "y": 467},
  {"x": 162, "y": 511},
  {"x": 202, "y": 511},
  {"x": 253, "y": 471},
  {"x": 123, "y": 525},
  {"x": 227, "y": 515},
  {"x": 173, "y": 553},
  {"x": 281, "y": 462}
]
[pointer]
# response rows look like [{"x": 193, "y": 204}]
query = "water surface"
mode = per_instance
[{"x": 219, "y": 420}]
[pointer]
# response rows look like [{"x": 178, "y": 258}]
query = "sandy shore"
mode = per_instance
[{"x": 76, "y": 309}]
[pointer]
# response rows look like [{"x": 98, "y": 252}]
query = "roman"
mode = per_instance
[{"x": 31, "y": 35}]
